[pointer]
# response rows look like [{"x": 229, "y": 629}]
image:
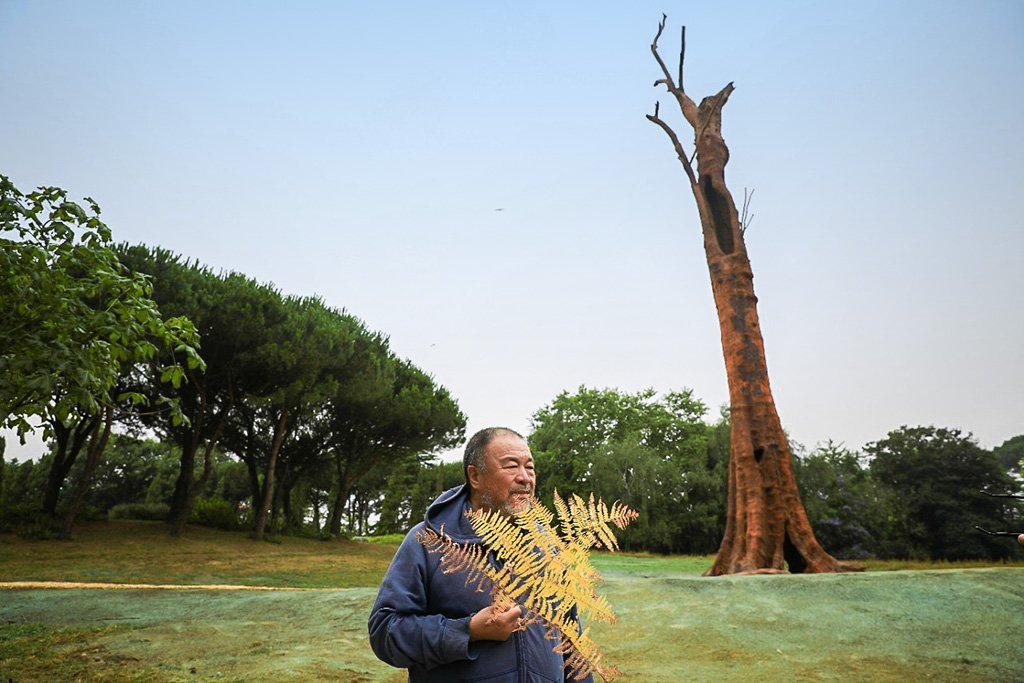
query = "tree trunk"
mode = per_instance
[
  {"x": 342, "y": 501},
  {"x": 341, "y": 492},
  {"x": 3, "y": 450},
  {"x": 180, "y": 516},
  {"x": 69, "y": 444},
  {"x": 186, "y": 473},
  {"x": 268, "y": 481},
  {"x": 766, "y": 525},
  {"x": 97, "y": 444}
]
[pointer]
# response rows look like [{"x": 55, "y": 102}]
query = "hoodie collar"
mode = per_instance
[{"x": 449, "y": 511}]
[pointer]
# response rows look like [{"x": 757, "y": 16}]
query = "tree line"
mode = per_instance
[
  {"x": 213, "y": 398},
  {"x": 99, "y": 338},
  {"x": 917, "y": 493}
]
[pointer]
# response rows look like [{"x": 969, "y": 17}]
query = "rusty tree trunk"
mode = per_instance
[{"x": 766, "y": 525}]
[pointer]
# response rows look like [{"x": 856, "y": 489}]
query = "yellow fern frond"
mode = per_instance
[{"x": 522, "y": 560}]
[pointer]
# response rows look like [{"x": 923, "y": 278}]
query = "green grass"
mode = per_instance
[
  {"x": 130, "y": 551},
  {"x": 143, "y": 552},
  {"x": 886, "y": 624},
  {"x": 641, "y": 564},
  {"x": 37, "y": 652},
  {"x": 385, "y": 539}
]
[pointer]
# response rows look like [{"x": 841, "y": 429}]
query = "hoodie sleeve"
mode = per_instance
[{"x": 402, "y": 633}]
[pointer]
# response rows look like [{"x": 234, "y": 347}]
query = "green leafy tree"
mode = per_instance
[
  {"x": 1010, "y": 453},
  {"x": 843, "y": 503},
  {"x": 73, "y": 324},
  {"x": 22, "y": 487},
  {"x": 238, "y": 319},
  {"x": 936, "y": 477},
  {"x": 316, "y": 353},
  {"x": 126, "y": 472},
  {"x": 415, "y": 417},
  {"x": 656, "y": 455}
]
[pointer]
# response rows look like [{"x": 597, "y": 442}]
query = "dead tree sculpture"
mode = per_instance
[{"x": 766, "y": 525}]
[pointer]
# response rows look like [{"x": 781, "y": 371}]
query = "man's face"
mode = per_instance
[{"x": 507, "y": 480}]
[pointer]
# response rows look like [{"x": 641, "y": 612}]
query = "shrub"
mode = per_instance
[
  {"x": 13, "y": 517},
  {"x": 40, "y": 527},
  {"x": 156, "y": 512},
  {"x": 215, "y": 513}
]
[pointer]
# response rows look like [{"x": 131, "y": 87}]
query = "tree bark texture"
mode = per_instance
[{"x": 766, "y": 525}]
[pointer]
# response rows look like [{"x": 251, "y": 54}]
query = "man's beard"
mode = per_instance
[{"x": 513, "y": 505}]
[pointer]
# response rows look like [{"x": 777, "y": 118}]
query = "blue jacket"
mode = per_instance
[{"x": 420, "y": 620}]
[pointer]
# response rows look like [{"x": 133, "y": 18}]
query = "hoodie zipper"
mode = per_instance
[{"x": 521, "y": 656}]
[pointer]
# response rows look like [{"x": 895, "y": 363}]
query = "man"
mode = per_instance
[{"x": 430, "y": 622}]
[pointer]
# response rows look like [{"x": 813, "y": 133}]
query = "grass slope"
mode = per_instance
[
  {"x": 960, "y": 624},
  {"x": 143, "y": 552}
]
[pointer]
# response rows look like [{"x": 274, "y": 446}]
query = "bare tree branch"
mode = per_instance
[
  {"x": 654, "y": 50},
  {"x": 680, "y": 152},
  {"x": 682, "y": 54},
  {"x": 746, "y": 218},
  {"x": 688, "y": 106}
]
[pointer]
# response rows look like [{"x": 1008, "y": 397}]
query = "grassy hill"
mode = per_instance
[{"x": 949, "y": 624}]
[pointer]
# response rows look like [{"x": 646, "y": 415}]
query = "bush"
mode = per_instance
[
  {"x": 215, "y": 513},
  {"x": 42, "y": 528},
  {"x": 14, "y": 517},
  {"x": 156, "y": 512}
]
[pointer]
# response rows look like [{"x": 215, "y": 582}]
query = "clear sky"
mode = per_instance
[{"x": 362, "y": 151}]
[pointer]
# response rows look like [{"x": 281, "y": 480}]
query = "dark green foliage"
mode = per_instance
[
  {"x": 307, "y": 397},
  {"x": 842, "y": 502},
  {"x": 409, "y": 489},
  {"x": 655, "y": 455},
  {"x": 153, "y": 512},
  {"x": 126, "y": 472},
  {"x": 935, "y": 478},
  {"x": 216, "y": 513},
  {"x": 71, "y": 316},
  {"x": 1010, "y": 453},
  {"x": 21, "y": 490}
]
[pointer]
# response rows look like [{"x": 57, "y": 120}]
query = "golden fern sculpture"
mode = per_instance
[{"x": 525, "y": 561}]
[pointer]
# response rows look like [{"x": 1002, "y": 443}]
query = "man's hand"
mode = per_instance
[{"x": 490, "y": 624}]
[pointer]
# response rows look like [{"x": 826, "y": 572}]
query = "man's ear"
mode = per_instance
[{"x": 473, "y": 474}]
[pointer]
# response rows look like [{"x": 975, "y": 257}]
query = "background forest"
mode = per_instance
[{"x": 168, "y": 391}]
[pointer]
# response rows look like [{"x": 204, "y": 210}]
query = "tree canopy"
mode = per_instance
[
  {"x": 655, "y": 454},
  {"x": 76, "y": 329},
  {"x": 302, "y": 393},
  {"x": 937, "y": 477},
  {"x": 72, "y": 317}
]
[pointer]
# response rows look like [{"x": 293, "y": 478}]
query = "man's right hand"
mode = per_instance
[{"x": 490, "y": 624}]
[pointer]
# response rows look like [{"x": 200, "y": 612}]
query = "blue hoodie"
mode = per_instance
[{"x": 421, "y": 618}]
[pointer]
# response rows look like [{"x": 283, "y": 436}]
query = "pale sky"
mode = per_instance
[{"x": 361, "y": 151}]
